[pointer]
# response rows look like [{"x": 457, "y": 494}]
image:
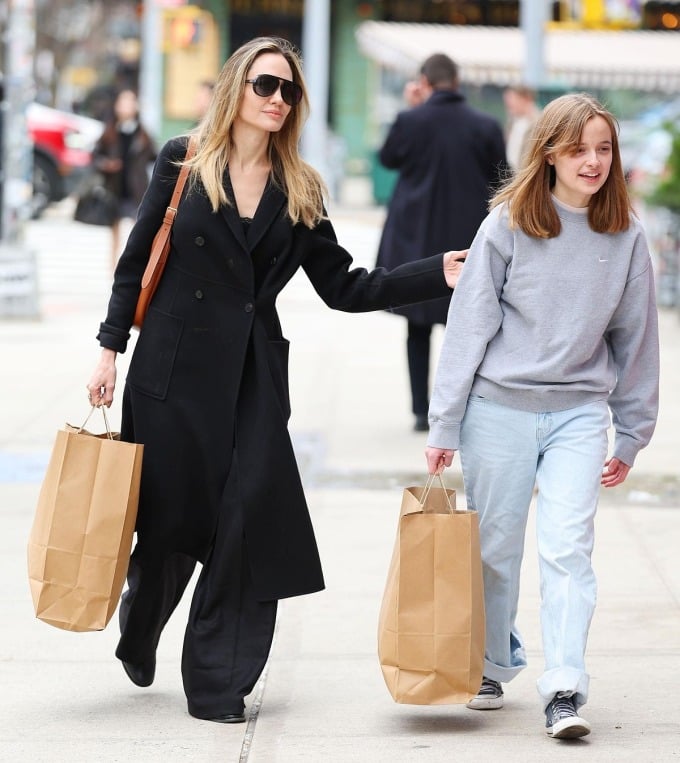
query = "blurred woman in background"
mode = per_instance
[{"x": 124, "y": 154}]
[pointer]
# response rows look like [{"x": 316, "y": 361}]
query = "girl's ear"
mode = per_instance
[{"x": 550, "y": 160}]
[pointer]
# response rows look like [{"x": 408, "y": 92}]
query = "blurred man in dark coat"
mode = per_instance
[{"x": 449, "y": 157}]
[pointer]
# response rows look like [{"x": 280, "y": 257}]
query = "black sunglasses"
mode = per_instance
[{"x": 265, "y": 85}]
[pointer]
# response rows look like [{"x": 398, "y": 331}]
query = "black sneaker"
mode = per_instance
[
  {"x": 490, "y": 696},
  {"x": 562, "y": 720}
]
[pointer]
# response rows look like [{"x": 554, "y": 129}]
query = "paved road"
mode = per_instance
[{"x": 65, "y": 697}]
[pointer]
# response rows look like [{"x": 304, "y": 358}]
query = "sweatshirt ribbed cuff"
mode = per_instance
[
  {"x": 445, "y": 436},
  {"x": 626, "y": 449}
]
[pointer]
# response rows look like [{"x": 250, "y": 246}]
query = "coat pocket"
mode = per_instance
[
  {"x": 278, "y": 365},
  {"x": 154, "y": 356}
]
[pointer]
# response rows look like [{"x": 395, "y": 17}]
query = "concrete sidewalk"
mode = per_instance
[{"x": 322, "y": 698}]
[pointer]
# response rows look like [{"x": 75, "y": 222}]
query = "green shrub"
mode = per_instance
[{"x": 667, "y": 192}]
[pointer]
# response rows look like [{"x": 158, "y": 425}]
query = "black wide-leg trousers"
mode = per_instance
[{"x": 229, "y": 633}]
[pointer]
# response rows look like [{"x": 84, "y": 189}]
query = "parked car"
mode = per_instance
[{"x": 62, "y": 152}]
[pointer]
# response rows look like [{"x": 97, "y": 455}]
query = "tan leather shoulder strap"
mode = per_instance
[
  {"x": 159, "y": 248},
  {"x": 183, "y": 174}
]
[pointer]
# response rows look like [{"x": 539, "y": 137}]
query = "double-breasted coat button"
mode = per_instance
[
  {"x": 230, "y": 263},
  {"x": 249, "y": 307},
  {"x": 199, "y": 241},
  {"x": 198, "y": 294},
  {"x": 273, "y": 260}
]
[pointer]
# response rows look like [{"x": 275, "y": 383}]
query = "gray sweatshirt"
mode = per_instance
[{"x": 550, "y": 324}]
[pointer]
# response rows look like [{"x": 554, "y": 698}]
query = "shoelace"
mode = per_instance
[
  {"x": 489, "y": 686},
  {"x": 562, "y": 707}
]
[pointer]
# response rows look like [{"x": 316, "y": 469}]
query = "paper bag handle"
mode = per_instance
[
  {"x": 106, "y": 420},
  {"x": 428, "y": 486}
]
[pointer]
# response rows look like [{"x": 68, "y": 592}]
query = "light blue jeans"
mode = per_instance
[{"x": 505, "y": 453}]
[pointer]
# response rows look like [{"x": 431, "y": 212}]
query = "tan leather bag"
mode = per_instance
[{"x": 161, "y": 246}]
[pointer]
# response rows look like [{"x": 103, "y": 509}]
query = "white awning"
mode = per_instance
[{"x": 639, "y": 60}]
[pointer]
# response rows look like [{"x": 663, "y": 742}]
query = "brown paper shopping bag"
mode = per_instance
[
  {"x": 80, "y": 542},
  {"x": 431, "y": 625}
]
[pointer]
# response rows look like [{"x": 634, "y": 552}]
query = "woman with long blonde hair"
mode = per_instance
[
  {"x": 207, "y": 387},
  {"x": 552, "y": 330}
]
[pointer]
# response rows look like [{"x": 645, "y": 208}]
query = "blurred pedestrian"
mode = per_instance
[
  {"x": 207, "y": 387},
  {"x": 449, "y": 157},
  {"x": 124, "y": 154},
  {"x": 552, "y": 326},
  {"x": 522, "y": 114}
]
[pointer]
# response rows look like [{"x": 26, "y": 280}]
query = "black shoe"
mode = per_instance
[
  {"x": 489, "y": 697},
  {"x": 562, "y": 721},
  {"x": 141, "y": 673},
  {"x": 230, "y": 718},
  {"x": 421, "y": 424}
]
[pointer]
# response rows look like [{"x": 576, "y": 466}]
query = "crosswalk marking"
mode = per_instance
[{"x": 72, "y": 258}]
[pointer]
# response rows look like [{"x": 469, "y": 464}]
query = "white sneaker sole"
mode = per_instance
[
  {"x": 485, "y": 703},
  {"x": 569, "y": 728}
]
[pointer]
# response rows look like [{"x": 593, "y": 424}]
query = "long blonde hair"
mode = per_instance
[
  {"x": 557, "y": 132},
  {"x": 301, "y": 183}
]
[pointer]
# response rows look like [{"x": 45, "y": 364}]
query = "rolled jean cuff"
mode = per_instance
[
  {"x": 499, "y": 673},
  {"x": 569, "y": 680}
]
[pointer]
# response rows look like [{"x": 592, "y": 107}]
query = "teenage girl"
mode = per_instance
[{"x": 551, "y": 336}]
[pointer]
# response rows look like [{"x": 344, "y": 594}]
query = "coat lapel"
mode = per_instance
[
  {"x": 230, "y": 214},
  {"x": 270, "y": 206}
]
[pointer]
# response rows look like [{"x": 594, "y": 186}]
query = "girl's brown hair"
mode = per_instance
[
  {"x": 301, "y": 183},
  {"x": 557, "y": 132}
]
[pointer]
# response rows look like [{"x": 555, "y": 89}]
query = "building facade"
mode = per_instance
[{"x": 364, "y": 90}]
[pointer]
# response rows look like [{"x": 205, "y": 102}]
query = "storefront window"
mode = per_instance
[
  {"x": 485, "y": 12},
  {"x": 265, "y": 18}
]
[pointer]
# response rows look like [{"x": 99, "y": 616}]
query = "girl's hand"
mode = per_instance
[
  {"x": 453, "y": 266},
  {"x": 103, "y": 381},
  {"x": 614, "y": 473},
  {"x": 438, "y": 459}
]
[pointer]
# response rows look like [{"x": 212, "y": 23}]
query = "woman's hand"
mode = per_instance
[
  {"x": 110, "y": 165},
  {"x": 453, "y": 266},
  {"x": 614, "y": 473},
  {"x": 437, "y": 459},
  {"x": 103, "y": 380}
]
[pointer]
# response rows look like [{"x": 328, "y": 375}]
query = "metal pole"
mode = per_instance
[
  {"x": 315, "y": 46},
  {"x": 151, "y": 69},
  {"x": 533, "y": 18},
  {"x": 18, "y": 279}
]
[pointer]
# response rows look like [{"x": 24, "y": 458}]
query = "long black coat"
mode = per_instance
[
  {"x": 449, "y": 157},
  {"x": 207, "y": 387}
]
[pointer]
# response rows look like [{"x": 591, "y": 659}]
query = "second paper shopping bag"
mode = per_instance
[{"x": 431, "y": 626}]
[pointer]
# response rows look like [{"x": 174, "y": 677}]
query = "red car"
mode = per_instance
[{"x": 62, "y": 151}]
